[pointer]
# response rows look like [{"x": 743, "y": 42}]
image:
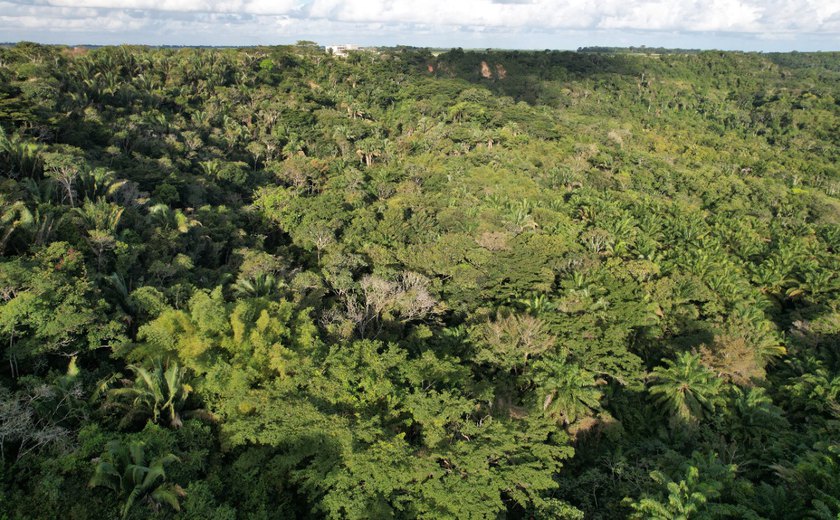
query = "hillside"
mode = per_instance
[{"x": 273, "y": 283}]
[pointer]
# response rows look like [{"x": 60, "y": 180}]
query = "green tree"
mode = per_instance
[
  {"x": 128, "y": 470},
  {"x": 568, "y": 393},
  {"x": 13, "y": 216},
  {"x": 686, "y": 389},
  {"x": 262, "y": 285},
  {"x": 690, "y": 498},
  {"x": 159, "y": 394}
]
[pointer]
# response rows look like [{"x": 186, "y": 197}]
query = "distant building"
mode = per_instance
[{"x": 341, "y": 50}]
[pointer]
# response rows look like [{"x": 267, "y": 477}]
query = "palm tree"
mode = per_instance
[
  {"x": 368, "y": 149},
  {"x": 164, "y": 217},
  {"x": 771, "y": 276},
  {"x": 537, "y": 304},
  {"x": 816, "y": 282},
  {"x": 259, "y": 286},
  {"x": 97, "y": 184},
  {"x": 210, "y": 169},
  {"x": 99, "y": 215},
  {"x": 125, "y": 470},
  {"x": 44, "y": 223},
  {"x": 685, "y": 499},
  {"x": 12, "y": 217},
  {"x": 39, "y": 192},
  {"x": 100, "y": 219},
  {"x": 753, "y": 325},
  {"x": 158, "y": 394},
  {"x": 520, "y": 220},
  {"x": 570, "y": 393},
  {"x": 754, "y": 417},
  {"x": 120, "y": 292},
  {"x": 21, "y": 158},
  {"x": 686, "y": 388}
]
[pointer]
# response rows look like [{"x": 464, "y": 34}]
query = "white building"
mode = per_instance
[{"x": 342, "y": 50}]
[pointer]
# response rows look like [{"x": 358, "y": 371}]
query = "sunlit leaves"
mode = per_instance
[{"x": 686, "y": 389}]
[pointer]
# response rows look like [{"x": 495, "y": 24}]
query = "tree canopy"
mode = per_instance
[{"x": 276, "y": 282}]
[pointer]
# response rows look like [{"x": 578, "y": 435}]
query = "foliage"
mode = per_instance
[
  {"x": 406, "y": 284},
  {"x": 158, "y": 395},
  {"x": 126, "y": 470},
  {"x": 687, "y": 389}
]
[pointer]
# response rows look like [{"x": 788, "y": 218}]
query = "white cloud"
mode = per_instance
[
  {"x": 667, "y": 15},
  {"x": 249, "y": 21},
  {"x": 269, "y": 7}
]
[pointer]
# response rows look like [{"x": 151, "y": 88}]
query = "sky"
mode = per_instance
[{"x": 752, "y": 25}]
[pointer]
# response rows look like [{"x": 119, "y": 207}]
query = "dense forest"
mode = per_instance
[{"x": 275, "y": 283}]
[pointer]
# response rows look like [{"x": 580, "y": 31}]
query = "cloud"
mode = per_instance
[
  {"x": 269, "y": 7},
  {"x": 418, "y": 21},
  {"x": 665, "y": 15}
]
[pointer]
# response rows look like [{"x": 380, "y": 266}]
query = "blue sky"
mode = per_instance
[{"x": 763, "y": 25}]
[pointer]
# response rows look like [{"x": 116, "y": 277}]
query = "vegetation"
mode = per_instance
[{"x": 275, "y": 283}]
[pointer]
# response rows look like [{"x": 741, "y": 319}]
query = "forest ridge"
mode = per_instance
[{"x": 273, "y": 282}]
